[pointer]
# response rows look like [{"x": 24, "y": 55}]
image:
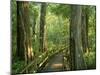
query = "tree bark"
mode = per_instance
[
  {"x": 34, "y": 24},
  {"x": 77, "y": 60},
  {"x": 42, "y": 25},
  {"x": 24, "y": 24},
  {"x": 72, "y": 41},
  {"x": 20, "y": 34},
  {"x": 84, "y": 32}
]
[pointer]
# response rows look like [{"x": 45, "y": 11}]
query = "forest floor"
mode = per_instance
[{"x": 54, "y": 64}]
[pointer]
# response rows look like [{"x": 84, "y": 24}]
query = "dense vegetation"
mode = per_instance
[{"x": 41, "y": 30}]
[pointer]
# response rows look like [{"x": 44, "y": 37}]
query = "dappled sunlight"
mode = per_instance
[
  {"x": 30, "y": 53},
  {"x": 60, "y": 65}
]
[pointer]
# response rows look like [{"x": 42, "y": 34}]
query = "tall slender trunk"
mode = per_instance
[
  {"x": 20, "y": 33},
  {"x": 72, "y": 40},
  {"x": 33, "y": 28},
  {"x": 84, "y": 27},
  {"x": 42, "y": 25}
]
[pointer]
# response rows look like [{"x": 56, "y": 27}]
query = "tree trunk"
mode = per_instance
[
  {"x": 87, "y": 25},
  {"x": 20, "y": 34},
  {"x": 72, "y": 41},
  {"x": 34, "y": 24},
  {"x": 24, "y": 24},
  {"x": 84, "y": 27},
  {"x": 42, "y": 24},
  {"x": 45, "y": 39},
  {"x": 77, "y": 60}
]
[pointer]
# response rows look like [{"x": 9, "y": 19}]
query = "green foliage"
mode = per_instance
[
  {"x": 58, "y": 32},
  {"x": 92, "y": 28},
  {"x": 34, "y": 10},
  {"x": 90, "y": 59},
  {"x": 14, "y": 26},
  {"x": 60, "y": 9},
  {"x": 90, "y": 10},
  {"x": 18, "y": 66}
]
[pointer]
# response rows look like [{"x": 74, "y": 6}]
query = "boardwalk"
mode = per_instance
[{"x": 54, "y": 64}]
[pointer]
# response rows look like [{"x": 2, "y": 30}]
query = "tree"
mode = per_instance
[
  {"x": 84, "y": 27},
  {"x": 33, "y": 16},
  {"x": 42, "y": 25},
  {"x": 20, "y": 31},
  {"x": 77, "y": 60},
  {"x": 24, "y": 35}
]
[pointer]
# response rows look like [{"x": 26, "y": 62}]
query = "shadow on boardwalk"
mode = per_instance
[{"x": 54, "y": 64}]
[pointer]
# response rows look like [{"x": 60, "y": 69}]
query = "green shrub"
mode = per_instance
[{"x": 90, "y": 59}]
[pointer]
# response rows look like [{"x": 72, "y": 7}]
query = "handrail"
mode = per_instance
[
  {"x": 32, "y": 63},
  {"x": 41, "y": 62},
  {"x": 47, "y": 58}
]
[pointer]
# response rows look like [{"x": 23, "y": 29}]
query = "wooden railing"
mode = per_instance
[{"x": 38, "y": 63}]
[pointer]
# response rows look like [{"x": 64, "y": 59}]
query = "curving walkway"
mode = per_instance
[{"x": 55, "y": 64}]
